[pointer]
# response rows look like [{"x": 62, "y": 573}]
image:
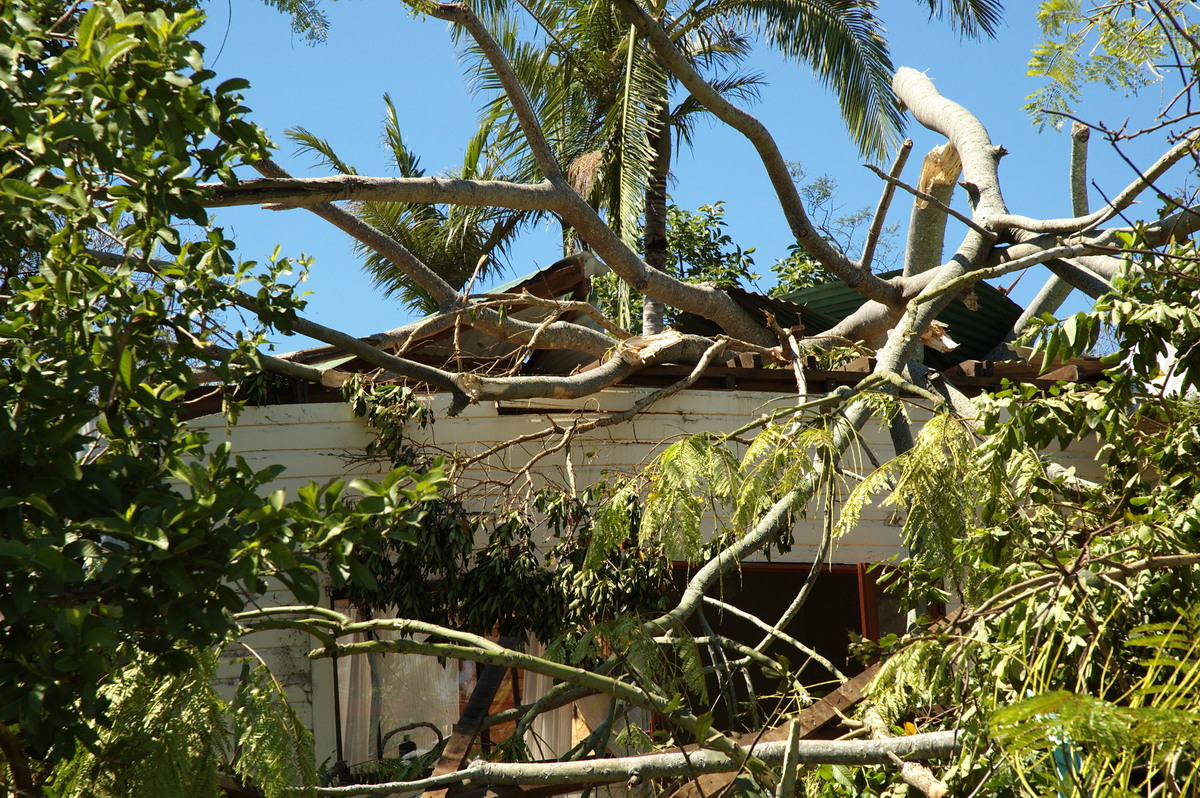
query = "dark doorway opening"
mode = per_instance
[{"x": 845, "y": 602}]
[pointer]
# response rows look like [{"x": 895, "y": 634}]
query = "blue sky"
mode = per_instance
[{"x": 376, "y": 46}]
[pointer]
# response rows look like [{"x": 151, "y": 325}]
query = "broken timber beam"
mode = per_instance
[{"x": 454, "y": 755}]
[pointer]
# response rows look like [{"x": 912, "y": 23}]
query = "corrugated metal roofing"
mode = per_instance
[
  {"x": 787, "y": 313},
  {"x": 976, "y": 331}
]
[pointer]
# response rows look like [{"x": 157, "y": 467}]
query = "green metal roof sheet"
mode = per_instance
[{"x": 976, "y": 331}]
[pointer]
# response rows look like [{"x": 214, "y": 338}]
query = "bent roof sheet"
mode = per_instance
[{"x": 976, "y": 331}]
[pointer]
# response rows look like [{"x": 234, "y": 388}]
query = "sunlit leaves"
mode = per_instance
[
  {"x": 123, "y": 538},
  {"x": 1146, "y": 734},
  {"x": 1124, "y": 46},
  {"x": 698, "y": 490}
]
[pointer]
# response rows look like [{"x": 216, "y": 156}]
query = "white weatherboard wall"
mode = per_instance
[
  {"x": 319, "y": 442},
  {"x": 310, "y": 441}
]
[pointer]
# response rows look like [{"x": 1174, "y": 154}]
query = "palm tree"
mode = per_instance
[{"x": 606, "y": 103}]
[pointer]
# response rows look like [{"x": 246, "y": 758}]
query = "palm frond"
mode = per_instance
[
  {"x": 971, "y": 18},
  {"x": 740, "y": 87},
  {"x": 843, "y": 42},
  {"x": 319, "y": 147},
  {"x": 407, "y": 163},
  {"x": 643, "y": 94}
]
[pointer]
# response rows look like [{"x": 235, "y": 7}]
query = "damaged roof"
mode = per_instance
[{"x": 813, "y": 310}]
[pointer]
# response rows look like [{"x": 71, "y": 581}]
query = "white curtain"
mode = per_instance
[{"x": 382, "y": 692}]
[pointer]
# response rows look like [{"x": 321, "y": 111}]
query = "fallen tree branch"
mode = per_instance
[
  {"x": 704, "y": 300},
  {"x": 885, "y": 201},
  {"x": 285, "y": 193},
  {"x": 975, "y": 149},
  {"x": 927, "y": 221},
  {"x": 487, "y": 321},
  {"x": 466, "y": 646},
  {"x": 919, "y": 777},
  {"x": 559, "y": 305},
  {"x": 1119, "y": 203},
  {"x": 1021, "y": 590},
  {"x": 801, "y": 226},
  {"x": 605, "y": 421},
  {"x": 461, "y": 14},
  {"x": 934, "y": 201},
  {"x": 932, "y": 745},
  {"x": 773, "y": 632}
]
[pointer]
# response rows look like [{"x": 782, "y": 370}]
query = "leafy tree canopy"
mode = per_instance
[{"x": 126, "y": 537}]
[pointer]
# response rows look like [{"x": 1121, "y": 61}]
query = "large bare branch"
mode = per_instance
[
  {"x": 1055, "y": 290},
  {"x": 295, "y": 192},
  {"x": 466, "y": 646},
  {"x": 885, "y": 202},
  {"x": 1080, "y": 136},
  {"x": 927, "y": 223},
  {"x": 348, "y": 343},
  {"x": 1119, "y": 203},
  {"x": 560, "y": 335},
  {"x": 462, "y": 15},
  {"x": 630, "y": 355},
  {"x": 706, "y": 301},
  {"x": 670, "y": 765},
  {"x": 978, "y": 155}
]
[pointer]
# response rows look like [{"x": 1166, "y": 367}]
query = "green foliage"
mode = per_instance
[
  {"x": 1066, "y": 672},
  {"x": 910, "y": 679},
  {"x": 634, "y": 738},
  {"x": 683, "y": 480},
  {"x": 273, "y": 748},
  {"x": 491, "y": 575},
  {"x": 698, "y": 481},
  {"x": 308, "y": 19},
  {"x": 1119, "y": 45},
  {"x": 378, "y": 771},
  {"x": 701, "y": 250},
  {"x": 1129, "y": 741},
  {"x": 797, "y": 271},
  {"x": 845, "y": 231},
  {"x": 628, "y": 580},
  {"x": 933, "y": 483},
  {"x": 124, "y": 537},
  {"x": 488, "y": 568},
  {"x": 173, "y": 734},
  {"x": 673, "y": 669},
  {"x": 698, "y": 251},
  {"x": 688, "y": 478},
  {"x": 774, "y": 464},
  {"x": 167, "y": 736},
  {"x": 389, "y": 409}
]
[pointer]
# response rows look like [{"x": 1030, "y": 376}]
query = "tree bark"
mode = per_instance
[
  {"x": 932, "y": 745},
  {"x": 927, "y": 223},
  {"x": 654, "y": 237}
]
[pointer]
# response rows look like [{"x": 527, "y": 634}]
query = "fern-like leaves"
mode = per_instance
[
  {"x": 932, "y": 483},
  {"x": 275, "y": 750},
  {"x": 166, "y": 736},
  {"x": 173, "y": 734}
]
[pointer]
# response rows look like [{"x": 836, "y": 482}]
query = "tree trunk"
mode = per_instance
[{"x": 654, "y": 235}]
